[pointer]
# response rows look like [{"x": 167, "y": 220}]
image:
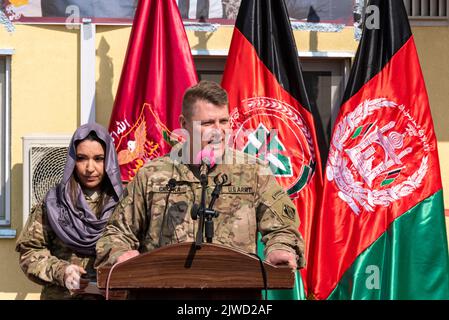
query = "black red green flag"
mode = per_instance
[
  {"x": 381, "y": 233},
  {"x": 269, "y": 106}
]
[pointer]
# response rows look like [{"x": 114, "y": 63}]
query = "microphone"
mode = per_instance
[
  {"x": 171, "y": 185},
  {"x": 204, "y": 169},
  {"x": 206, "y": 159}
]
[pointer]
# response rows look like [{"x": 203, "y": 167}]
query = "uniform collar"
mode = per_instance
[{"x": 186, "y": 174}]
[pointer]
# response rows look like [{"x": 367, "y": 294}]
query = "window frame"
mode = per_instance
[
  {"x": 340, "y": 74},
  {"x": 5, "y": 141}
]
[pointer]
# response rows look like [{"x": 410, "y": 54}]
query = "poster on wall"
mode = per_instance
[
  {"x": 69, "y": 11},
  {"x": 222, "y": 12}
]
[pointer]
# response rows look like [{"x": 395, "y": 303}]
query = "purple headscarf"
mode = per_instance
[{"x": 75, "y": 223}]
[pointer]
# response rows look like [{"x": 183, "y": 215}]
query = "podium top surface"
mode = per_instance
[{"x": 181, "y": 266}]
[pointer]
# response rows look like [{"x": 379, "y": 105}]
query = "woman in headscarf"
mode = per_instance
[{"x": 57, "y": 244}]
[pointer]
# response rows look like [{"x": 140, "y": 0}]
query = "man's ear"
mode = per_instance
[{"x": 182, "y": 121}]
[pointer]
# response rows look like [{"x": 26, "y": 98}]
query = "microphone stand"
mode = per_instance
[
  {"x": 206, "y": 215},
  {"x": 201, "y": 211},
  {"x": 210, "y": 212}
]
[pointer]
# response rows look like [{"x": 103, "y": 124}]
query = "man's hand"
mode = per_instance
[
  {"x": 127, "y": 255},
  {"x": 72, "y": 277},
  {"x": 282, "y": 257}
]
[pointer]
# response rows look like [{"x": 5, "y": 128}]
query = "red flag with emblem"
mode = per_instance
[
  {"x": 269, "y": 107},
  {"x": 157, "y": 70}
]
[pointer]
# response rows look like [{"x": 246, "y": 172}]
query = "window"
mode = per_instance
[
  {"x": 324, "y": 78},
  {"x": 210, "y": 67},
  {"x": 427, "y": 12},
  {"x": 4, "y": 140},
  {"x": 325, "y": 82}
]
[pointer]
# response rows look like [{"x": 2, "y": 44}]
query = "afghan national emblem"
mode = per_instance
[
  {"x": 369, "y": 158},
  {"x": 276, "y": 133}
]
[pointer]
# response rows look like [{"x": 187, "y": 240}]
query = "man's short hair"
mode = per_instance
[{"x": 205, "y": 90}]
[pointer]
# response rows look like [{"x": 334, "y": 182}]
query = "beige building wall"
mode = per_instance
[
  {"x": 112, "y": 43},
  {"x": 433, "y": 50},
  {"x": 45, "y": 97}
]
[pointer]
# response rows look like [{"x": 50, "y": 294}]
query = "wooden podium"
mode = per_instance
[{"x": 182, "y": 272}]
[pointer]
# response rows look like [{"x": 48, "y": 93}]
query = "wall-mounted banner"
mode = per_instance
[
  {"x": 210, "y": 11},
  {"x": 5, "y": 22},
  {"x": 69, "y": 11}
]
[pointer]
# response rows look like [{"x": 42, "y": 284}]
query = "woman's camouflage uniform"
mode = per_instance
[{"x": 44, "y": 257}]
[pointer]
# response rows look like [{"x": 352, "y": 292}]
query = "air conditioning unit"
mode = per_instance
[{"x": 44, "y": 159}]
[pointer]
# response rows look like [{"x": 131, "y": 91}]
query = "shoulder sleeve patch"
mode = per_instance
[{"x": 289, "y": 212}]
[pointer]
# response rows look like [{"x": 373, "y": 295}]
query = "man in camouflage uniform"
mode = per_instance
[{"x": 150, "y": 216}]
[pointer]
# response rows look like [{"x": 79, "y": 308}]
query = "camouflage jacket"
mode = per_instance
[
  {"x": 149, "y": 216},
  {"x": 44, "y": 257}
]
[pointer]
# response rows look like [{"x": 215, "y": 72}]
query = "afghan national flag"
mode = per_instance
[
  {"x": 381, "y": 234},
  {"x": 158, "y": 69},
  {"x": 269, "y": 106}
]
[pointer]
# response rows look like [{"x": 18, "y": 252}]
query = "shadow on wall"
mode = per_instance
[
  {"x": 104, "y": 97},
  {"x": 203, "y": 38},
  {"x": 314, "y": 18},
  {"x": 17, "y": 191}
]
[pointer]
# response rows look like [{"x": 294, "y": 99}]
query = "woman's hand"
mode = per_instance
[{"x": 72, "y": 277}]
